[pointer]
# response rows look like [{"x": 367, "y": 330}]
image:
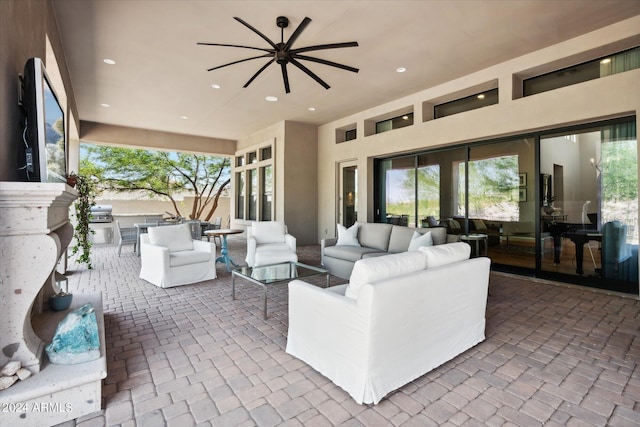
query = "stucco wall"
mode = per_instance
[
  {"x": 612, "y": 96},
  {"x": 295, "y": 175},
  {"x": 24, "y": 26}
]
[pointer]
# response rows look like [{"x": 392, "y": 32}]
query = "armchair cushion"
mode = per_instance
[
  {"x": 188, "y": 257},
  {"x": 268, "y": 232},
  {"x": 174, "y": 237}
]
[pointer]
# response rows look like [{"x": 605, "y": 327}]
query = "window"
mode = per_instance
[
  {"x": 394, "y": 123},
  {"x": 265, "y": 153},
  {"x": 240, "y": 161},
  {"x": 267, "y": 192},
  {"x": 468, "y": 103},
  {"x": 350, "y": 135},
  {"x": 601, "y": 67},
  {"x": 251, "y": 157},
  {"x": 428, "y": 188},
  {"x": 255, "y": 183},
  {"x": 240, "y": 195},
  {"x": 253, "y": 194}
]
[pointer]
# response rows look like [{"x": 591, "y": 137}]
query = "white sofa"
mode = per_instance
[
  {"x": 170, "y": 257},
  {"x": 268, "y": 242},
  {"x": 374, "y": 239},
  {"x": 400, "y": 316}
]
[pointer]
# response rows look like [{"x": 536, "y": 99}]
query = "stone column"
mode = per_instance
[{"x": 34, "y": 232}]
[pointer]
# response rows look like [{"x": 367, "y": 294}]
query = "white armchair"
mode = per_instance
[
  {"x": 268, "y": 242},
  {"x": 170, "y": 257}
]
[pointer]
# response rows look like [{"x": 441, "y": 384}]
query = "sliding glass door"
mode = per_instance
[
  {"x": 561, "y": 205},
  {"x": 591, "y": 208}
]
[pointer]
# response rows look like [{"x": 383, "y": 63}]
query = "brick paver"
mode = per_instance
[{"x": 554, "y": 355}]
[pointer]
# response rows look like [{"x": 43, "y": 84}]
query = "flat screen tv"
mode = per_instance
[{"x": 45, "y": 151}]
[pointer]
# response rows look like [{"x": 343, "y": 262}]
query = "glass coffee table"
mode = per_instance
[{"x": 266, "y": 275}]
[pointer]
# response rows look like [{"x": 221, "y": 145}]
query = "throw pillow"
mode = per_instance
[
  {"x": 348, "y": 236},
  {"x": 479, "y": 224},
  {"x": 446, "y": 254},
  {"x": 419, "y": 240},
  {"x": 454, "y": 225},
  {"x": 370, "y": 270}
]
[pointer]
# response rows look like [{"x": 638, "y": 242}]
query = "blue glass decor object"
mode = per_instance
[{"x": 76, "y": 339}]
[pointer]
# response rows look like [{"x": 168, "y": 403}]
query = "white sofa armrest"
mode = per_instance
[
  {"x": 324, "y": 243},
  {"x": 291, "y": 242},
  {"x": 251, "y": 250},
  {"x": 201, "y": 245},
  {"x": 329, "y": 331},
  {"x": 154, "y": 260}
]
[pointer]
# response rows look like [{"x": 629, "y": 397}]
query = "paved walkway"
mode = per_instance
[{"x": 554, "y": 355}]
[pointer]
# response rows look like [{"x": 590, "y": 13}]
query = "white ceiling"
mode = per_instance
[{"x": 161, "y": 74}]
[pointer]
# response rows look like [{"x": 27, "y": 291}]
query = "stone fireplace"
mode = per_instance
[{"x": 34, "y": 235}]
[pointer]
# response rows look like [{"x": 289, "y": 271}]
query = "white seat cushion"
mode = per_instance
[
  {"x": 179, "y": 258},
  {"x": 174, "y": 237}
]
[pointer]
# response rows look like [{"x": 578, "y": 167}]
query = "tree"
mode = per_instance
[{"x": 160, "y": 174}]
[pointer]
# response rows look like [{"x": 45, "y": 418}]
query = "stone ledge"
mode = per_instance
[{"x": 58, "y": 393}]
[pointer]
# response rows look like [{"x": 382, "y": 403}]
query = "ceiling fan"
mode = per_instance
[{"x": 282, "y": 53}]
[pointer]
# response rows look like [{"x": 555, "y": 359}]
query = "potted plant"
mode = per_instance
[{"x": 83, "y": 204}]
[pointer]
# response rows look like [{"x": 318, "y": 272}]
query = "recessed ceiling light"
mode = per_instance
[
  {"x": 215, "y": 86},
  {"x": 400, "y": 70},
  {"x": 481, "y": 96},
  {"x": 184, "y": 117},
  {"x": 271, "y": 98},
  {"x": 105, "y": 105},
  {"x": 109, "y": 61},
  {"x": 311, "y": 108},
  {"x": 605, "y": 61}
]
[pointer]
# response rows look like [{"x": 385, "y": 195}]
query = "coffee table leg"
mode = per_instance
[
  {"x": 265, "y": 302},
  {"x": 233, "y": 285}
]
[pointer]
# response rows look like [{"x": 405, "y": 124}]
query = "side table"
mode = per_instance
[{"x": 477, "y": 238}]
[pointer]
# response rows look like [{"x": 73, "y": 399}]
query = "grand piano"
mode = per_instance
[{"x": 578, "y": 233}]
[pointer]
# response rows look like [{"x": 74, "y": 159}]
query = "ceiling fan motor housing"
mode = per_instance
[{"x": 282, "y": 21}]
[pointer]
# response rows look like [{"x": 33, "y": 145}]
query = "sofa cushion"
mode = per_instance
[
  {"x": 419, "y": 240},
  {"x": 174, "y": 237},
  {"x": 371, "y": 270},
  {"x": 349, "y": 253},
  {"x": 177, "y": 259},
  {"x": 439, "y": 235},
  {"x": 446, "y": 254},
  {"x": 268, "y": 232},
  {"x": 400, "y": 239},
  {"x": 375, "y": 235},
  {"x": 348, "y": 236}
]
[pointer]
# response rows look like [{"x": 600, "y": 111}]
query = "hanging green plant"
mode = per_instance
[{"x": 83, "y": 204}]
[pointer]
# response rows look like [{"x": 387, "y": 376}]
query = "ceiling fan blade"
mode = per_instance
[
  {"x": 310, "y": 73},
  {"x": 285, "y": 77},
  {"x": 237, "y": 62},
  {"x": 325, "y": 62},
  {"x": 264, "y": 67},
  {"x": 236, "y": 45},
  {"x": 324, "y": 46},
  {"x": 296, "y": 33},
  {"x": 272, "y": 44}
]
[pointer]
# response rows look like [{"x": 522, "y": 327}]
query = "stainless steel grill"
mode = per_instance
[{"x": 101, "y": 213}]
